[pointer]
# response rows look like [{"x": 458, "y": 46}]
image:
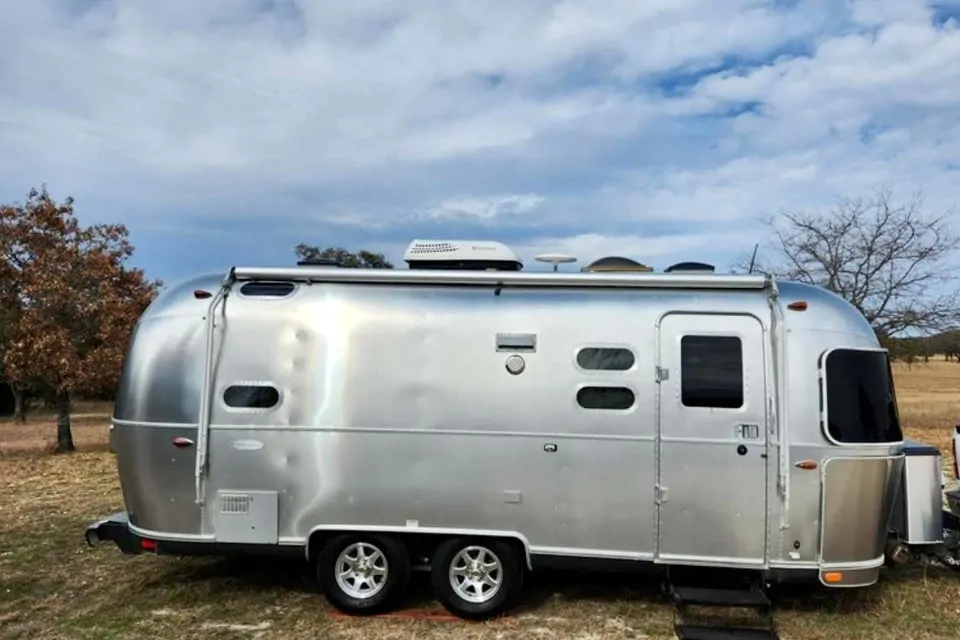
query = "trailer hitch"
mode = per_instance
[{"x": 948, "y": 553}]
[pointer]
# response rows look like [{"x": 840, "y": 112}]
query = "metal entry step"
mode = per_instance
[
  {"x": 753, "y": 598},
  {"x": 693, "y": 632},
  {"x": 726, "y": 591}
]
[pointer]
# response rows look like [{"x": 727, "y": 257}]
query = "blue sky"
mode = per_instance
[{"x": 227, "y": 131}]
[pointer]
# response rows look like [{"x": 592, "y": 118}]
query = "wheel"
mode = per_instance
[
  {"x": 363, "y": 574},
  {"x": 476, "y": 579}
]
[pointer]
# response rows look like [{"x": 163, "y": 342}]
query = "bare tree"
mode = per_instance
[{"x": 887, "y": 259}]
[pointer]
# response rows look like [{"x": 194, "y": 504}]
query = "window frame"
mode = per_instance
[
  {"x": 743, "y": 377},
  {"x": 609, "y": 385},
  {"x": 823, "y": 404},
  {"x": 250, "y": 383}
]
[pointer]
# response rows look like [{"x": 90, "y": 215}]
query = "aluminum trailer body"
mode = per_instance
[{"x": 660, "y": 419}]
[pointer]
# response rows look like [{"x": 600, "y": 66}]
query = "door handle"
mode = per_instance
[{"x": 748, "y": 431}]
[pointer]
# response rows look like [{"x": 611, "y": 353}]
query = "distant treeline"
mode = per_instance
[
  {"x": 944, "y": 345},
  {"x": 34, "y": 402}
]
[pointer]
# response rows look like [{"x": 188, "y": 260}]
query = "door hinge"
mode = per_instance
[
  {"x": 662, "y": 374},
  {"x": 660, "y": 494}
]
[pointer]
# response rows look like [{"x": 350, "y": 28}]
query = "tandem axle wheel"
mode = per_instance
[{"x": 474, "y": 578}]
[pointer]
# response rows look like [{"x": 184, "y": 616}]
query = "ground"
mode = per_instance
[{"x": 53, "y": 586}]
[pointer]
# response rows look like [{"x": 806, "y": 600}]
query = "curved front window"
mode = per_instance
[{"x": 861, "y": 405}]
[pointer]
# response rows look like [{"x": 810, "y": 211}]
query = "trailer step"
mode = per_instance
[
  {"x": 708, "y": 596},
  {"x": 693, "y": 632},
  {"x": 691, "y": 591}
]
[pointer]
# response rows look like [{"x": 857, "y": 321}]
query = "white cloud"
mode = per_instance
[
  {"x": 605, "y": 126},
  {"x": 484, "y": 209}
]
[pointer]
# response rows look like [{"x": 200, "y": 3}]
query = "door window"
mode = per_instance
[{"x": 711, "y": 371}]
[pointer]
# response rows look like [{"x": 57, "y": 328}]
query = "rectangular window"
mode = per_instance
[
  {"x": 605, "y": 359},
  {"x": 711, "y": 371},
  {"x": 861, "y": 405},
  {"x": 613, "y": 398},
  {"x": 243, "y": 396}
]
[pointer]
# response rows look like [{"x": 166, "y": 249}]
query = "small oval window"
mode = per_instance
[
  {"x": 267, "y": 289},
  {"x": 606, "y": 359},
  {"x": 249, "y": 396},
  {"x": 613, "y": 398}
]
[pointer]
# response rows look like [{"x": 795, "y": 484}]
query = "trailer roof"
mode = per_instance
[{"x": 631, "y": 280}]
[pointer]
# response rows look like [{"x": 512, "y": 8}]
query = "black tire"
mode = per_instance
[
  {"x": 388, "y": 553},
  {"x": 509, "y": 577}
]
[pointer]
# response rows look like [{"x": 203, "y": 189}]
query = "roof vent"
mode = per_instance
[
  {"x": 690, "y": 267},
  {"x": 615, "y": 263},
  {"x": 460, "y": 255},
  {"x": 318, "y": 262}
]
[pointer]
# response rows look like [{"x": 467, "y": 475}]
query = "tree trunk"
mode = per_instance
[
  {"x": 64, "y": 435},
  {"x": 19, "y": 404}
]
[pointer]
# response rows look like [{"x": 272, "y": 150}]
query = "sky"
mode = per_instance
[{"x": 225, "y": 132}]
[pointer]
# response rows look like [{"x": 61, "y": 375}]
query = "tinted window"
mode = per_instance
[
  {"x": 711, "y": 371},
  {"x": 617, "y": 398},
  {"x": 269, "y": 289},
  {"x": 861, "y": 405},
  {"x": 605, "y": 358},
  {"x": 251, "y": 396}
]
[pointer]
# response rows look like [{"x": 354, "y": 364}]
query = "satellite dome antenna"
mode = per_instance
[{"x": 556, "y": 259}]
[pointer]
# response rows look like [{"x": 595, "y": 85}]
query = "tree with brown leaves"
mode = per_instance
[
  {"x": 9, "y": 310},
  {"x": 888, "y": 259},
  {"x": 75, "y": 301},
  {"x": 361, "y": 259}
]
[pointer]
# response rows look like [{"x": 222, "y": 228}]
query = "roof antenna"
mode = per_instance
[
  {"x": 555, "y": 258},
  {"x": 753, "y": 258}
]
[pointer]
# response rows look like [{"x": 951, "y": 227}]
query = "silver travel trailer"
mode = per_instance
[{"x": 478, "y": 421}]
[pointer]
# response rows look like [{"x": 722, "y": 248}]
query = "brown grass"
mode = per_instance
[{"x": 53, "y": 586}]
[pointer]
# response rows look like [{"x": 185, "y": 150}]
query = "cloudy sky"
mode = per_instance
[{"x": 227, "y": 131}]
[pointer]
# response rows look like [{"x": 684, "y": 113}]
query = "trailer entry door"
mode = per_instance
[{"x": 712, "y": 477}]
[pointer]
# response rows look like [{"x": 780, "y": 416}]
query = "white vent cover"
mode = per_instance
[
  {"x": 459, "y": 250},
  {"x": 234, "y": 503},
  {"x": 246, "y": 517}
]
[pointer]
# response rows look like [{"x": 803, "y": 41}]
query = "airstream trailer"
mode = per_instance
[{"x": 479, "y": 421}]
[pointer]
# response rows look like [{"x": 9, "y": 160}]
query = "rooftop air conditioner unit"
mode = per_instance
[{"x": 463, "y": 255}]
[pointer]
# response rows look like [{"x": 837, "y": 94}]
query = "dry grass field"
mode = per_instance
[{"x": 53, "y": 586}]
